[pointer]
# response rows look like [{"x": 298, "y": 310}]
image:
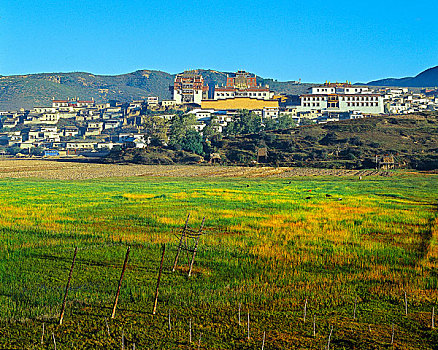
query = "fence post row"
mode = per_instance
[
  {"x": 180, "y": 242},
  {"x": 196, "y": 246},
  {"x": 189, "y": 234}
]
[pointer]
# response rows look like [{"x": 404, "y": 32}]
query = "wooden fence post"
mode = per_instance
[
  {"x": 248, "y": 325},
  {"x": 406, "y": 304},
  {"x": 190, "y": 331},
  {"x": 180, "y": 243},
  {"x": 329, "y": 338},
  {"x": 305, "y": 311},
  {"x": 120, "y": 283},
  {"x": 54, "y": 341},
  {"x": 158, "y": 281},
  {"x": 264, "y": 336},
  {"x": 392, "y": 334},
  {"x": 196, "y": 247},
  {"x": 355, "y": 307},
  {"x": 61, "y": 316}
]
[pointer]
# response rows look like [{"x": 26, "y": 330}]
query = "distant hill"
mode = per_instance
[
  {"x": 31, "y": 90},
  {"x": 27, "y": 91},
  {"x": 428, "y": 78}
]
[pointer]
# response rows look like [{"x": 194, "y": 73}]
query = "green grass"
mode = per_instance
[{"x": 267, "y": 248}]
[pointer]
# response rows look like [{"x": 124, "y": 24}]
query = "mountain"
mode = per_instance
[
  {"x": 428, "y": 78},
  {"x": 27, "y": 91}
]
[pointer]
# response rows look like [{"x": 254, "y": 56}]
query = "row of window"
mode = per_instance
[
  {"x": 359, "y": 98},
  {"x": 343, "y": 98},
  {"x": 244, "y": 93},
  {"x": 363, "y": 104},
  {"x": 349, "y": 104},
  {"x": 313, "y": 98},
  {"x": 333, "y": 89}
]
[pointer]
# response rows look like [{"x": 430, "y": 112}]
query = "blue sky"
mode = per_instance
[{"x": 284, "y": 40}]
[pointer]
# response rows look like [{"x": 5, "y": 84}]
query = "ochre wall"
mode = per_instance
[{"x": 238, "y": 103}]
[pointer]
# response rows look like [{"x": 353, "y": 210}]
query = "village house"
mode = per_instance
[
  {"x": 112, "y": 124},
  {"x": 70, "y": 131},
  {"x": 168, "y": 103},
  {"x": 152, "y": 102},
  {"x": 10, "y": 123},
  {"x": 80, "y": 145},
  {"x": 15, "y": 138}
]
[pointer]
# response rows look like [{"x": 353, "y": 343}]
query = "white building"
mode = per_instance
[
  {"x": 270, "y": 112},
  {"x": 342, "y": 98},
  {"x": 168, "y": 103},
  {"x": 152, "y": 101}
]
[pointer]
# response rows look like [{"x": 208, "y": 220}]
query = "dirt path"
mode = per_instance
[{"x": 49, "y": 169}]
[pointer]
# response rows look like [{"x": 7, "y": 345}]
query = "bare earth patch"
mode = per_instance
[{"x": 49, "y": 169}]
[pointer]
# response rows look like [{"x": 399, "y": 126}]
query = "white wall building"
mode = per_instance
[{"x": 342, "y": 98}]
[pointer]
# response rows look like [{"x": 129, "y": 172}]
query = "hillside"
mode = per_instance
[
  {"x": 350, "y": 144},
  {"x": 27, "y": 91},
  {"x": 428, "y": 78}
]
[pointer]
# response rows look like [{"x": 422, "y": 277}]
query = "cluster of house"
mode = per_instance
[
  {"x": 73, "y": 126},
  {"x": 404, "y": 101}
]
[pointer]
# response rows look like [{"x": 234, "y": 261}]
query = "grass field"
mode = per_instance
[{"x": 266, "y": 247}]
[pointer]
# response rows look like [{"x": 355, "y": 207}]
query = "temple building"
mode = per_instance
[
  {"x": 242, "y": 92},
  {"x": 189, "y": 87},
  {"x": 242, "y": 84}
]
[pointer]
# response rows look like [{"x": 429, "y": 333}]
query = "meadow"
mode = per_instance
[{"x": 331, "y": 253}]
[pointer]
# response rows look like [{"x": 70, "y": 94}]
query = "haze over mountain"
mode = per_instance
[
  {"x": 427, "y": 78},
  {"x": 27, "y": 91}
]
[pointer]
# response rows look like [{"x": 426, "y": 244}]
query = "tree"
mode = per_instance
[
  {"x": 182, "y": 135},
  {"x": 211, "y": 130},
  {"x": 192, "y": 142},
  {"x": 286, "y": 122},
  {"x": 246, "y": 122},
  {"x": 36, "y": 151},
  {"x": 282, "y": 122},
  {"x": 307, "y": 121},
  {"x": 156, "y": 127},
  {"x": 13, "y": 150}
]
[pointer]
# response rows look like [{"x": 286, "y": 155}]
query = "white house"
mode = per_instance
[{"x": 342, "y": 98}]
